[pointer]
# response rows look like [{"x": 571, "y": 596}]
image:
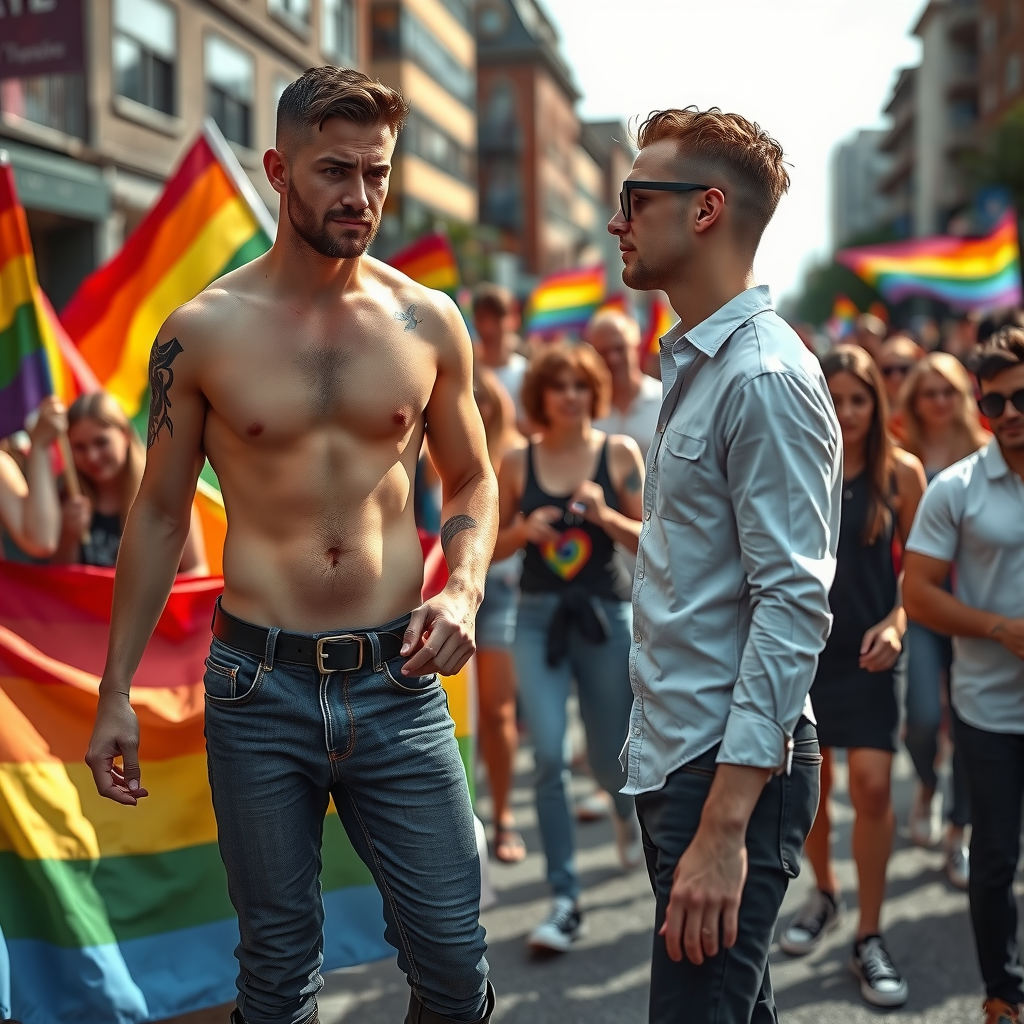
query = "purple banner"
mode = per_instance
[{"x": 40, "y": 37}]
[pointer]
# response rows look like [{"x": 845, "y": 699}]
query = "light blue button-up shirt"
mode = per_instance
[{"x": 738, "y": 546}]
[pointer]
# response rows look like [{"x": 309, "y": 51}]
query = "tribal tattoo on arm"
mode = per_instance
[
  {"x": 161, "y": 377},
  {"x": 453, "y": 526}
]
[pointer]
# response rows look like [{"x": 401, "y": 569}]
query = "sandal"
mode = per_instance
[{"x": 509, "y": 847}]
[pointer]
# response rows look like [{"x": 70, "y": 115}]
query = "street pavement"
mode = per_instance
[{"x": 604, "y": 980}]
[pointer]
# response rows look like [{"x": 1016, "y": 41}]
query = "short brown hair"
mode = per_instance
[
  {"x": 550, "y": 362},
  {"x": 325, "y": 92},
  {"x": 749, "y": 158},
  {"x": 492, "y": 298},
  {"x": 1002, "y": 350}
]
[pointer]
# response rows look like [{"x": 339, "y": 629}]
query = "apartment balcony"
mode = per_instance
[
  {"x": 962, "y": 23},
  {"x": 902, "y": 169},
  {"x": 54, "y": 101},
  {"x": 900, "y": 135}
]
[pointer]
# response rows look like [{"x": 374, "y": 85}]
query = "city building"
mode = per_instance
[
  {"x": 1001, "y": 46},
  {"x": 898, "y": 184},
  {"x": 859, "y": 166},
  {"x": 536, "y": 180},
  {"x": 92, "y": 147},
  {"x": 426, "y": 49}
]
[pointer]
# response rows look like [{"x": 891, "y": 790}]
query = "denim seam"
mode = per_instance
[
  {"x": 410, "y": 689},
  {"x": 246, "y": 698},
  {"x": 325, "y": 711},
  {"x": 351, "y": 722},
  {"x": 414, "y": 973}
]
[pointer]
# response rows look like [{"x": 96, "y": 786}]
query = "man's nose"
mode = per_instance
[
  {"x": 618, "y": 225},
  {"x": 356, "y": 198}
]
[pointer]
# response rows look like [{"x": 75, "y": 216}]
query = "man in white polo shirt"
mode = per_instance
[{"x": 972, "y": 519}]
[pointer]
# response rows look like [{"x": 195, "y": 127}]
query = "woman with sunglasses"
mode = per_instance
[
  {"x": 941, "y": 426},
  {"x": 896, "y": 358},
  {"x": 568, "y": 498},
  {"x": 854, "y": 690}
]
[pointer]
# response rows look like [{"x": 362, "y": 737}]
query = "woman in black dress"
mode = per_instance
[{"x": 854, "y": 694}]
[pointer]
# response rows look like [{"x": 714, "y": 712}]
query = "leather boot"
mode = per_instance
[{"x": 419, "y": 1014}]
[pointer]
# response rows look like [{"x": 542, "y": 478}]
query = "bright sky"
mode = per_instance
[{"x": 810, "y": 72}]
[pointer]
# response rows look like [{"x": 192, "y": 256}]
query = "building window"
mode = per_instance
[
  {"x": 1012, "y": 80},
  {"x": 499, "y": 125},
  {"x": 989, "y": 33},
  {"x": 338, "y": 32},
  {"x": 398, "y": 33},
  {"x": 422, "y": 138},
  {"x": 290, "y": 10},
  {"x": 460, "y": 10},
  {"x": 503, "y": 194},
  {"x": 229, "y": 89},
  {"x": 145, "y": 49}
]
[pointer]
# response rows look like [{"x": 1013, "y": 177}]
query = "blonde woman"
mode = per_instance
[
  {"x": 109, "y": 459},
  {"x": 941, "y": 426}
]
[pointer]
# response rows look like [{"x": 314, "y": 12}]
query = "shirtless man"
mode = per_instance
[{"x": 308, "y": 377}]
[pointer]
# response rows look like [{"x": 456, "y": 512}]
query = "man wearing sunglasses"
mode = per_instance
[
  {"x": 737, "y": 554},
  {"x": 972, "y": 518}
]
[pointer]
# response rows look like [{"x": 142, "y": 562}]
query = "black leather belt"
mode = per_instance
[{"x": 342, "y": 652}]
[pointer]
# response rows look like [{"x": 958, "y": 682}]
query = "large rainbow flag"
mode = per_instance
[
  {"x": 564, "y": 301},
  {"x": 660, "y": 320},
  {"x": 36, "y": 356},
  {"x": 120, "y": 914},
  {"x": 208, "y": 220},
  {"x": 429, "y": 261},
  {"x": 966, "y": 273}
]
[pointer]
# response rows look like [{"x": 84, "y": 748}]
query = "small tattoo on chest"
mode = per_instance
[{"x": 409, "y": 318}]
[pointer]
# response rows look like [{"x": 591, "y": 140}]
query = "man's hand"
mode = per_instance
[
  {"x": 706, "y": 891},
  {"x": 441, "y": 636},
  {"x": 116, "y": 734},
  {"x": 881, "y": 646},
  {"x": 1010, "y": 633}
]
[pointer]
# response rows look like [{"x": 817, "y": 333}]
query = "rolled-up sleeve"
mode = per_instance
[{"x": 784, "y": 476}]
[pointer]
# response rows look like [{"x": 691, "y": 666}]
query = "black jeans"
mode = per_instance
[
  {"x": 733, "y": 987},
  {"x": 995, "y": 778}
]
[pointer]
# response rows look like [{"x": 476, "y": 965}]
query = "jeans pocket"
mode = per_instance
[
  {"x": 800, "y": 792},
  {"x": 231, "y": 677},
  {"x": 408, "y": 684}
]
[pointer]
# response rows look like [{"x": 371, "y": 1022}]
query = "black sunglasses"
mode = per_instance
[
  {"x": 897, "y": 370},
  {"x": 993, "y": 404},
  {"x": 625, "y": 204}
]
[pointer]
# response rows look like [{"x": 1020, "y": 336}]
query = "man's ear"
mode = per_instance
[
  {"x": 276, "y": 165},
  {"x": 709, "y": 209}
]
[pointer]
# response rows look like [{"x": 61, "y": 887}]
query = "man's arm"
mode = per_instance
[
  {"x": 441, "y": 634},
  {"x": 151, "y": 547},
  {"x": 783, "y": 464}
]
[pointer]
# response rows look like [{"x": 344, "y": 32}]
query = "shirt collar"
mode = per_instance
[
  {"x": 709, "y": 335},
  {"x": 995, "y": 464}
]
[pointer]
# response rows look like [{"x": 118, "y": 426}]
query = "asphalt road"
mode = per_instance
[{"x": 604, "y": 979}]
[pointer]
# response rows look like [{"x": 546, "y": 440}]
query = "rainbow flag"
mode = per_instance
[
  {"x": 208, "y": 220},
  {"x": 966, "y": 273},
  {"x": 121, "y": 914},
  {"x": 660, "y": 320},
  {"x": 565, "y": 301},
  {"x": 842, "y": 319},
  {"x": 430, "y": 261},
  {"x": 36, "y": 356}
]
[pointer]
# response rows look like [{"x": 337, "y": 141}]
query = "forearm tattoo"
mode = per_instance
[
  {"x": 453, "y": 526},
  {"x": 409, "y": 318},
  {"x": 161, "y": 377}
]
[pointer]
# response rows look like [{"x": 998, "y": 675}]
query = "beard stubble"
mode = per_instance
[{"x": 316, "y": 235}]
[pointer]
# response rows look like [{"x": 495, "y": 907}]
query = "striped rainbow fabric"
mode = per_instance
[
  {"x": 965, "y": 273},
  {"x": 115, "y": 914},
  {"x": 36, "y": 356},
  {"x": 565, "y": 302},
  {"x": 429, "y": 261},
  {"x": 660, "y": 320},
  {"x": 208, "y": 220}
]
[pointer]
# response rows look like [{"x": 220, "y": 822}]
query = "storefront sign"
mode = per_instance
[{"x": 40, "y": 37}]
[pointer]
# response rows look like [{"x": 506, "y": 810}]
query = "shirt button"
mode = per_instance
[
  {"x": 636, "y": 637},
  {"x": 647, "y": 513},
  {"x": 636, "y": 732}
]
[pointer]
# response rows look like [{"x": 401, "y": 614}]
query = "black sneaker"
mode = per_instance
[
  {"x": 880, "y": 983},
  {"x": 820, "y": 914},
  {"x": 563, "y": 926}
]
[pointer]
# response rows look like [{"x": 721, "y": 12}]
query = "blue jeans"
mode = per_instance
[
  {"x": 281, "y": 739},
  {"x": 929, "y": 657},
  {"x": 602, "y": 680}
]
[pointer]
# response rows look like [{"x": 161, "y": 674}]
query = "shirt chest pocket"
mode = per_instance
[{"x": 679, "y": 476}]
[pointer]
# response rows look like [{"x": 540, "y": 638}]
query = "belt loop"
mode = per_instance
[
  {"x": 375, "y": 647},
  {"x": 268, "y": 657}
]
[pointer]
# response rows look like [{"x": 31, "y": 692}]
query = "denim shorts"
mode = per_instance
[{"x": 496, "y": 619}]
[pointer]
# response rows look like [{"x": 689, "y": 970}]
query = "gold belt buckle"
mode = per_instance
[{"x": 324, "y": 670}]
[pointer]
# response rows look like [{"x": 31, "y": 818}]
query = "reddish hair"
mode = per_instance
[{"x": 550, "y": 362}]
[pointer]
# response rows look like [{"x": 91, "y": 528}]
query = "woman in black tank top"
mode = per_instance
[
  {"x": 568, "y": 499},
  {"x": 853, "y": 694}
]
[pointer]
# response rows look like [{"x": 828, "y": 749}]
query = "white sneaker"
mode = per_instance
[
  {"x": 881, "y": 984},
  {"x": 819, "y": 915},
  {"x": 958, "y": 865},
  {"x": 629, "y": 840},
  {"x": 563, "y": 926},
  {"x": 595, "y": 807},
  {"x": 925, "y": 820}
]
